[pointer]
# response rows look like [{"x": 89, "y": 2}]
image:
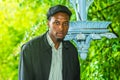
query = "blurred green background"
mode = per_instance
[{"x": 21, "y": 20}]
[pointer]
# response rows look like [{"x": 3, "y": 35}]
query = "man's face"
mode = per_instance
[{"x": 58, "y": 26}]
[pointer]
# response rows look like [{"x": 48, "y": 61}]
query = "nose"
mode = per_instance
[{"x": 60, "y": 27}]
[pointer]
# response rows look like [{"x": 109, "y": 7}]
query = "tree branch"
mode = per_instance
[
  {"x": 100, "y": 11},
  {"x": 109, "y": 6}
]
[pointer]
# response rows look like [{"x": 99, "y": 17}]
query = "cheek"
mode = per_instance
[
  {"x": 55, "y": 29},
  {"x": 66, "y": 29},
  {"x": 52, "y": 30},
  {"x": 51, "y": 27}
]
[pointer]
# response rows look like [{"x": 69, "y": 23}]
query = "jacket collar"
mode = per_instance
[{"x": 47, "y": 46}]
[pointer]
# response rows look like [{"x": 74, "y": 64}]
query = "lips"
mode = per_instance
[{"x": 60, "y": 34}]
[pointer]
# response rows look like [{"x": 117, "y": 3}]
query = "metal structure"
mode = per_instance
[{"x": 83, "y": 31}]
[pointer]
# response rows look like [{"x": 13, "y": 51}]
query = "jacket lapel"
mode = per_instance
[{"x": 47, "y": 54}]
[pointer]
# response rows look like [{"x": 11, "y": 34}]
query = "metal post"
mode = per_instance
[{"x": 83, "y": 31}]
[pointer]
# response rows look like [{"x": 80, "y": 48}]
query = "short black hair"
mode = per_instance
[{"x": 58, "y": 8}]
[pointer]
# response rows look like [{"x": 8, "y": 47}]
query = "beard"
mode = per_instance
[{"x": 59, "y": 39}]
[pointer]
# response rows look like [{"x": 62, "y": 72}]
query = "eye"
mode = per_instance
[
  {"x": 65, "y": 24},
  {"x": 57, "y": 23}
]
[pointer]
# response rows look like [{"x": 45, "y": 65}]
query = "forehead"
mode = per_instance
[{"x": 60, "y": 16}]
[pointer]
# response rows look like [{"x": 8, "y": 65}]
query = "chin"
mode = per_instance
[{"x": 59, "y": 39}]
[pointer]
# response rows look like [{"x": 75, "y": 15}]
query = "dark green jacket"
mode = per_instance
[{"x": 35, "y": 60}]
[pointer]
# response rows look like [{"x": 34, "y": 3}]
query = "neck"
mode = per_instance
[
  {"x": 55, "y": 41},
  {"x": 57, "y": 45}
]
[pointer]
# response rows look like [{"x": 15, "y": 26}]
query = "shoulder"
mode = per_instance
[
  {"x": 70, "y": 47},
  {"x": 70, "y": 50},
  {"x": 33, "y": 43},
  {"x": 68, "y": 44}
]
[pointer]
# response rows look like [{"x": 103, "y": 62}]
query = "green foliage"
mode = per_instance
[
  {"x": 103, "y": 58},
  {"x": 21, "y": 20}
]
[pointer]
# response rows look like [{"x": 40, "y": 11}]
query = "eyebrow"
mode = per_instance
[{"x": 59, "y": 21}]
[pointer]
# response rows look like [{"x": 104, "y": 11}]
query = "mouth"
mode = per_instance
[{"x": 60, "y": 34}]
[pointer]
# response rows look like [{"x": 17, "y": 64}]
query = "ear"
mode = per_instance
[{"x": 48, "y": 23}]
